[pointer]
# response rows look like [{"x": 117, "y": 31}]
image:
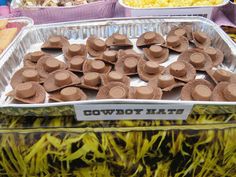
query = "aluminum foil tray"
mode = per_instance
[
  {"x": 77, "y": 32},
  {"x": 21, "y": 23}
]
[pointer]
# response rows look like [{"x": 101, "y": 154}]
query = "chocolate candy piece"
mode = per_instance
[
  {"x": 55, "y": 42},
  {"x": 25, "y": 75},
  {"x": 201, "y": 40},
  {"x": 60, "y": 79},
  {"x": 96, "y": 66},
  {"x": 149, "y": 38},
  {"x": 198, "y": 90},
  {"x": 156, "y": 53},
  {"x": 216, "y": 55},
  {"x": 114, "y": 76},
  {"x": 28, "y": 92},
  {"x": 113, "y": 90},
  {"x": 149, "y": 69},
  {"x": 76, "y": 64},
  {"x": 109, "y": 56},
  {"x": 91, "y": 80},
  {"x": 145, "y": 92},
  {"x": 224, "y": 91},
  {"x": 219, "y": 75},
  {"x": 96, "y": 46},
  {"x": 181, "y": 31},
  {"x": 201, "y": 93},
  {"x": 74, "y": 50},
  {"x": 118, "y": 40},
  {"x": 177, "y": 43},
  {"x": 48, "y": 64},
  {"x": 68, "y": 94},
  {"x": 198, "y": 58},
  {"x": 182, "y": 71}
]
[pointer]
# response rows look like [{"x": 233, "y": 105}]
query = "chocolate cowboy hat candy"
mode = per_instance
[
  {"x": 108, "y": 56},
  {"x": 31, "y": 59},
  {"x": 114, "y": 90},
  {"x": 75, "y": 64},
  {"x": 216, "y": 55},
  {"x": 149, "y": 69},
  {"x": 233, "y": 78},
  {"x": 145, "y": 92},
  {"x": 73, "y": 50},
  {"x": 95, "y": 46},
  {"x": 197, "y": 90},
  {"x": 25, "y": 75},
  {"x": 149, "y": 38},
  {"x": 156, "y": 53},
  {"x": 224, "y": 91},
  {"x": 123, "y": 53},
  {"x": 114, "y": 76},
  {"x": 60, "y": 79},
  {"x": 182, "y": 71},
  {"x": 219, "y": 75},
  {"x": 91, "y": 80},
  {"x": 198, "y": 58},
  {"x": 177, "y": 43},
  {"x": 96, "y": 66},
  {"x": 28, "y": 92},
  {"x": 49, "y": 64},
  {"x": 55, "y": 42},
  {"x": 127, "y": 64},
  {"x": 118, "y": 40},
  {"x": 166, "y": 82},
  {"x": 182, "y": 30},
  {"x": 201, "y": 40},
  {"x": 68, "y": 94}
]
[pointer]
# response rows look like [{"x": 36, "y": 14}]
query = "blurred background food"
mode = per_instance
[{"x": 55, "y": 2}]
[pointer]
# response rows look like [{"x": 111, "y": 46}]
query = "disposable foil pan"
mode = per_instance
[
  {"x": 43, "y": 15},
  {"x": 21, "y": 23},
  {"x": 77, "y": 32}
]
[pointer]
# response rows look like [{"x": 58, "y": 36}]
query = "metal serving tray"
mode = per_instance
[
  {"x": 77, "y": 32},
  {"x": 19, "y": 22}
]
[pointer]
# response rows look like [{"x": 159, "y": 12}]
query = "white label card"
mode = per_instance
[{"x": 133, "y": 111}]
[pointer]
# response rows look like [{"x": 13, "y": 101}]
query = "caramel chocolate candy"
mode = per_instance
[
  {"x": 76, "y": 64},
  {"x": 48, "y": 64},
  {"x": 28, "y": 92},
  {"x": 108, "y": 56},
  {"x": 149, "y": 69},
  {"x": 55, "y": 42},
  {"x": 31, "y": 59},
  {"x": 96, "y": 46},
  {"x": 182, "y": 30},
  {"x": 74, "y": 50},
  {"x": 145, "y": 92},
  {"x": 197, "y": 90},
  {"x": 96, "y": 66},
  {"x": 216, "y": 55},
  {"x": 201, "y": 40},
  {"x": 25, "y": 75},
  {"x": 219, "y": 75},
  {"x": 198, "y": 58},
  {"x": 156, "y": 53},
  {"x": 91, "y": 80},
  {"x": 114, "y": 76},
  {"x": 177, "y": 43},
  {"x": 68, "y": 94},
  {"x": 149, "y": 38},
  {"x": 60, "y": 79},
  {"x": 114, "y": 90},
  {"x": 118, "y": 40},
  {"x": 127, "y": 64},
  {"x": 182, "y": 71},
  {"x": 224, "y": 91},
  {"x": 166, "y": 82}
]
